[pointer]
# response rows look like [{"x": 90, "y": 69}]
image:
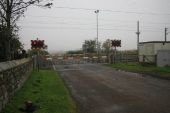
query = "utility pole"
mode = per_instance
[
  {"x": 138, "y": 33},
  {"x": 166, "y": 29},
  {"x": 97, "y": 12}
]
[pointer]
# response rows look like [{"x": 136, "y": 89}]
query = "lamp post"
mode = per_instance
[
  {"x": 138, "y": 33},
  {"x": 97, "y": 12}
]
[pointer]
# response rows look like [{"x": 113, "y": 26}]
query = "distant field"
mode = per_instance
[
  {"x": 47, "y": 92},
  {"x": 163, "y": 72}
]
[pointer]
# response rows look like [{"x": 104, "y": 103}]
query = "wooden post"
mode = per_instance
[
  {"x": 115, "y": 55},
  {"x": 38, "y": 63},
  {"x": 126, "y": 56}
]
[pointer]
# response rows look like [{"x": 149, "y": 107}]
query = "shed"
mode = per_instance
[{"x": 148, "y": 50}]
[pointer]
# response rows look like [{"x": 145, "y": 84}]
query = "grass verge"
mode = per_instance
[
  {"x": 161, "y": 72},
  {"x": 46, "y": 90}
]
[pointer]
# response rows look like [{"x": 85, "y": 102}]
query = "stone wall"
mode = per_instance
[{"x": 12, "y": 76}]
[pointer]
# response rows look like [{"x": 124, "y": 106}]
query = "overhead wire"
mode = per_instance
[
  {"x": 78, "y": 28},
  {"x": 109, "y": 24},
  {"x": 88, "y": 24},
  {"x": 101, "y": 19},
  {"x": 116, "y": 11}
]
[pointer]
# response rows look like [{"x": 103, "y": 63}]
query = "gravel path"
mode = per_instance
[{"x": 99, "y": 89}]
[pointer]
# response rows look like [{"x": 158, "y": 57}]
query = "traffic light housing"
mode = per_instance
[{"x": 33, "y": 44}]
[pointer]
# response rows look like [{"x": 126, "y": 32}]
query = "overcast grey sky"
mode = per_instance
[{"x": 69, "y": 22}]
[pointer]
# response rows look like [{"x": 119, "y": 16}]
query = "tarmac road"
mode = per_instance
[{"x": 100, "y": 89}]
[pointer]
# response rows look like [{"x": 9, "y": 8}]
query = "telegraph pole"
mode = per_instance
[
  {"x": 138, "y": 33},
  {"x": 166, "y": 29}
]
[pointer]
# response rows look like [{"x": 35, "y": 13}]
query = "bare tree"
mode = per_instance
[
  {"x": 89, "y": 46},
  {"x": 11, "y": 11}
]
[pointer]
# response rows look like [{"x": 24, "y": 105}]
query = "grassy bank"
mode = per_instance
[
  {"x": 162, "y": 72},
  {"x": 47, "y": 92}
]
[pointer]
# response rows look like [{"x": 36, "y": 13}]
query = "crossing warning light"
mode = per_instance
[
  {"x": 116, "y": 43},
  {"x": 35, "y": 44}
]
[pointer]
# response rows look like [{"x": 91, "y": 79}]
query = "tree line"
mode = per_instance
[
  {"x": 89, "y": 49},
  {"x": 90, "y": 46}
]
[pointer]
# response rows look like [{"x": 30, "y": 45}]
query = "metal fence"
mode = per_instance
[
  {"x": 125, "y": 58},
  {"x": 102, "y": 59}
]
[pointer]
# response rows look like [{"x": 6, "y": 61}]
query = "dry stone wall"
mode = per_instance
[{"x": 12, "y": 76}]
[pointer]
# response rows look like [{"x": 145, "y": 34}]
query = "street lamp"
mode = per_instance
[
  {"x": 97, "y": 11},
  {"x": 138, "y": 33}
]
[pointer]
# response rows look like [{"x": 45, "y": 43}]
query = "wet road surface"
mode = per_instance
[{"x": 100, "y": 89}]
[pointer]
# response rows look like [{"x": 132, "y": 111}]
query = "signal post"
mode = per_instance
[
  {"x": 115, "y": 43},
  {"x": 37, "y": 45}
]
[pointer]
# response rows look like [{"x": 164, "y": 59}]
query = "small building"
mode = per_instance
[{"x": 148, "y": 51}]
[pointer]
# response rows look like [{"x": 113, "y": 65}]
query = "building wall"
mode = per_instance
[
  {"x": 161, "y": 46},
  {"x": 146, "y": 49},
  {"x": 146, "y": 52}
]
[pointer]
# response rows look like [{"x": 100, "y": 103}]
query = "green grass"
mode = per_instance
[
  {"x": 46, "y": 90},
  {"x": 163, "y": 72}
]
